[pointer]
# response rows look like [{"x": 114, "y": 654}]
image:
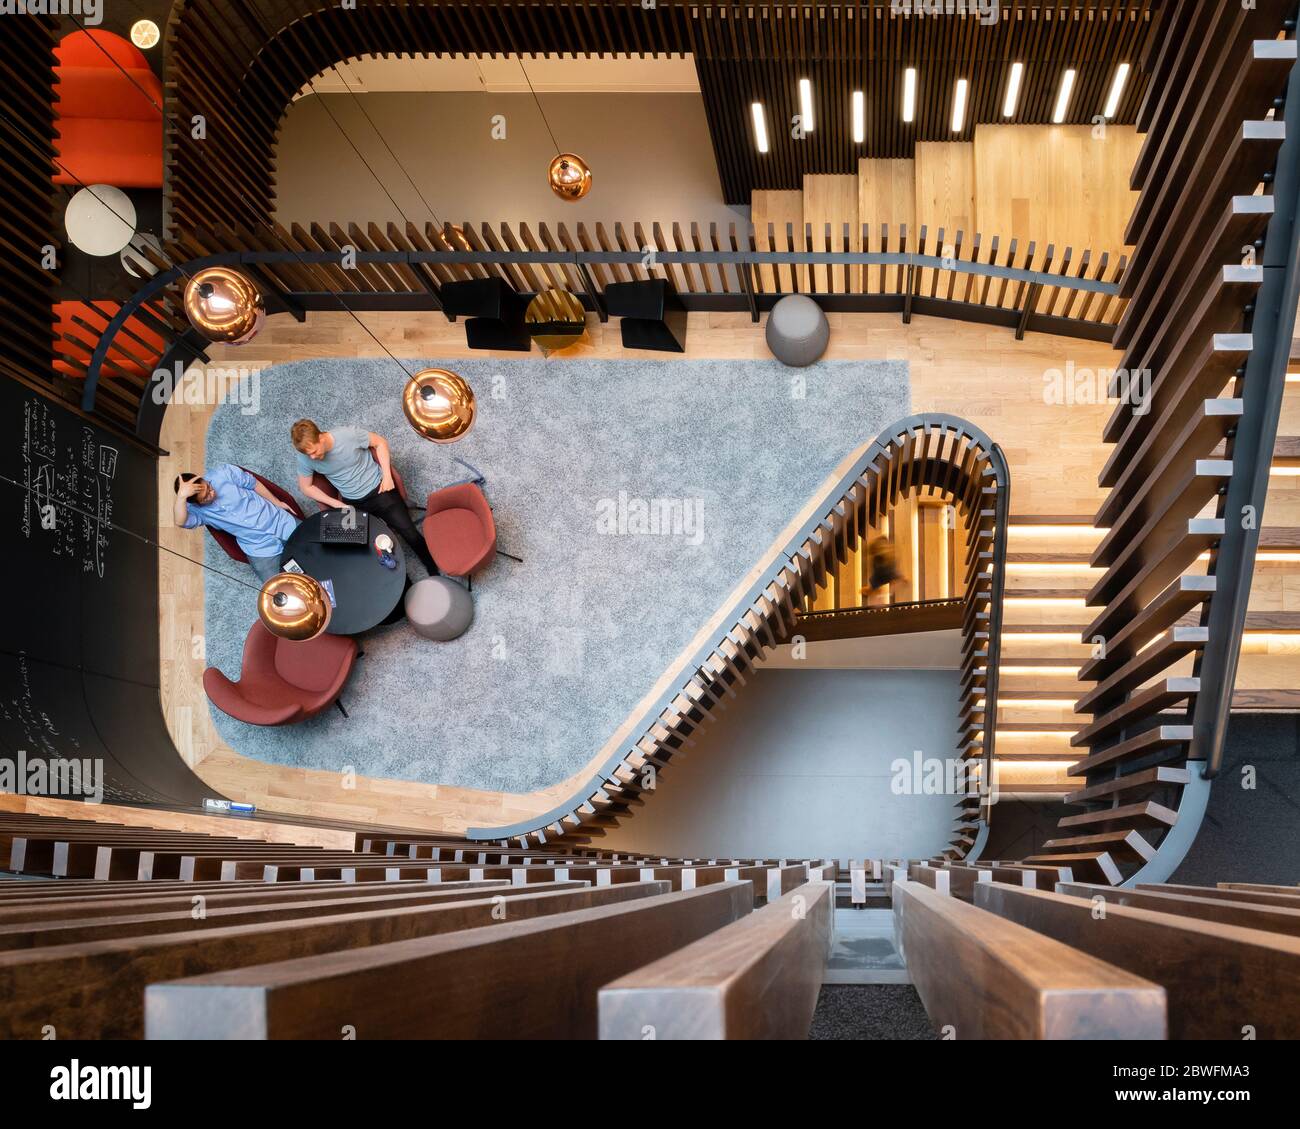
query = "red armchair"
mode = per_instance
[
  {"x": 459, "y": 529},
  {"x": 109, "y": 125},
  {"x": 322, "y": 483},
  {"x": 282, "y": 682},
  {"x": 227, "y": 540}
]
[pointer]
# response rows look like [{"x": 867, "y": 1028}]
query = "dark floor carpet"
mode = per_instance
[
  {"x": 1249, "y": 830},
  {"x": 870, "y": 1011}
]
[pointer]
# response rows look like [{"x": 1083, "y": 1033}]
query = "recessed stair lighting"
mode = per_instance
[
  {"x": 909, "y": 94},
  {"x": 859, "y": 117}
]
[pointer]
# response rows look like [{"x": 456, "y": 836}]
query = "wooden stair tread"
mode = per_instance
[
  {"x": 1125, "y": 841},
  {"x": 1098, "y": 863},
  {"x": 1147, "y": 813},
  {"x": 1147, "y": 778}
]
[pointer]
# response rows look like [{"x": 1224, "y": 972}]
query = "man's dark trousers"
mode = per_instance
[{"x": 389, "y": 507}]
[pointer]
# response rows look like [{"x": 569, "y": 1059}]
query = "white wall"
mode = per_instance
[{"x": 801, "y": 765}]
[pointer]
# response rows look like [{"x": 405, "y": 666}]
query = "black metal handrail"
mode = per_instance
[
  {"x": 813, "y": 529},
  {"x": 754, "y": 300},
  {"x": 1250, "y": 449}
]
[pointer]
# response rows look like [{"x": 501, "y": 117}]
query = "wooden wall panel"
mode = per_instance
[
  {"x": 1056, "y": 184},
  {"x": 945, "y": 190},
  {"x": 887, "y": 193},
  {"x": 833, "y": 200}
]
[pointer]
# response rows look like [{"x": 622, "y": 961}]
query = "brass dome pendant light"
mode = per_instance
[
  {"x": 570, "y": 177},
  {"x": 439, "y": 405},
  {"x": 224, "y": 305},
  {"x": 294, "y": 606},
  {"x": 568, "y": 174}
]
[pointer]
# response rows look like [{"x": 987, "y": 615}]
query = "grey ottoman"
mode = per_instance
[
  {"x": 797, "y": 331},
  {"x": 439, "y": 608}
]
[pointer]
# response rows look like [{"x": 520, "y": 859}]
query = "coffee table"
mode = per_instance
[{"x": 366, "y": 593}]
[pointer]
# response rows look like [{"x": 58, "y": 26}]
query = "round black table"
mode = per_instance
[{"x": 365, "y": 593}]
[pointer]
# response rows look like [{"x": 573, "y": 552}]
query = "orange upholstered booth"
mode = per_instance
[
  {"x": 136, "y": 348},
  {"x": 110, "y": 122}
]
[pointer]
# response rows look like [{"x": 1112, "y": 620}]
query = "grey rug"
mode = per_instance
[{"x": 564, "y": 645}]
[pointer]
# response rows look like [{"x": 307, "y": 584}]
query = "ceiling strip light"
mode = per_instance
[
  {"x": 1013, "y": 90},
  {"x": 760, "y": 126},
  {"x": 1116, "y": 91},
  {"x": 1063, "y": 98}
]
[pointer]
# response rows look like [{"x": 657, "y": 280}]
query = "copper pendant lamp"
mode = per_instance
[
  {"x": 570, "y": 177},
  {"x": 439, "y": 405},
  {"x": 294, "y": 606},
  {"x": 224, "y": 305}
]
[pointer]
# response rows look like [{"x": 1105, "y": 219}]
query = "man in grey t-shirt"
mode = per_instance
[{"x": 356, "y": 462}]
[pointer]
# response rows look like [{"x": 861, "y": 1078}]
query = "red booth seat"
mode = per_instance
[
  {"x": 136, "y": 348},
  {"x": 283, "y": 682},
  {"x": 110, "y": 126}
]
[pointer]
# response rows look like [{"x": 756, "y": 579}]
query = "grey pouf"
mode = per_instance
[
  {"x": 439, "y": 609},
  {"x": 797, "y": 331}
]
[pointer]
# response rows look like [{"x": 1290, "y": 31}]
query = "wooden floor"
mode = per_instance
[{"x": 982, "y": 374}]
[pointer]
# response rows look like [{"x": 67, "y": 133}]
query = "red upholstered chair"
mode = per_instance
[
  {"x": 322, "y": 483},
  {"x": 459, "y": 529},
  {"x": 281, "y": 682},
  {"x": 109, "y": 125},
  {"x": 227, "y": 540}
]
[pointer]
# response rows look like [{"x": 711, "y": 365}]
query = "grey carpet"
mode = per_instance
[{"x": 564, "y": 645}]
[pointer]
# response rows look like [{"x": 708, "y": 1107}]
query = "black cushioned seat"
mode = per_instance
[
  {"x": 495, "y": 311},
  {"x": 653, "y": 315}
]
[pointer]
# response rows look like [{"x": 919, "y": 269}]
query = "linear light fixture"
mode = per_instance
[
  {"x": 959, "y": 106},
  {"x": 859, "y": 117},
  {"x": 1063, "y": 97},
  {"x": 805, "y": 104},
  {"x": 1012, "y": 99},
  {"x": 760, "y": 126},
  {"x": 909, "y": 94},
  {"x": 1116, "y": 91},
  {"x": 1040, "y": 670}
]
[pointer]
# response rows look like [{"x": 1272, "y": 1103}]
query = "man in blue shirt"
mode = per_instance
[
  {"x": 231, "y": 499},
  {"x": 357, "y": 464}
]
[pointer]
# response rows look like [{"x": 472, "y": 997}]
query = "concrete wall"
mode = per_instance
[{"x": 800, "y": 765}]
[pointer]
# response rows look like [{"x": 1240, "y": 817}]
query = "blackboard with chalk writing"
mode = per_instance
[
  {"x": 68, "y": 469},
  {"x": 79, "y": 669}
]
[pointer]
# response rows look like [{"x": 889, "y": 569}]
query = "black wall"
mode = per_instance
[{"x": 79, "y": 618}]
